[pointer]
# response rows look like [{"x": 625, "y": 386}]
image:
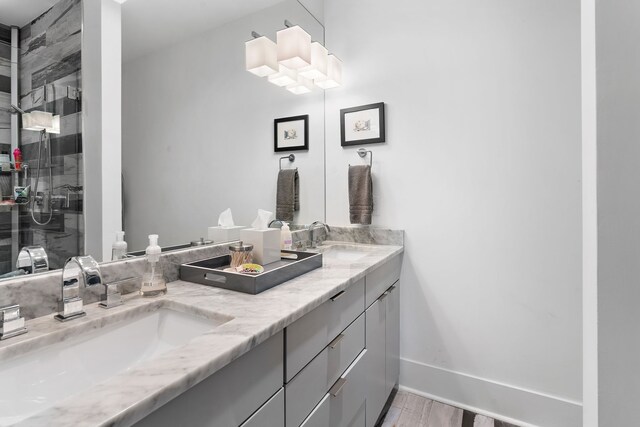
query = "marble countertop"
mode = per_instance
[{"x": 131, "y": 395}]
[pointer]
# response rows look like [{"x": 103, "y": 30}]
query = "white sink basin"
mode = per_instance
[
  {"x": 37, "y": 380},
  {"x": 344, "y": 253}
]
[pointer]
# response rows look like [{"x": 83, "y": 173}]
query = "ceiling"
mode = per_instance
[
  {"x": 21, "y": 12},
  {"x": 149, "y": 24}
]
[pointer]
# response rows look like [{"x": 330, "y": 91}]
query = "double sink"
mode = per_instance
[{"x": 41, "y": 371}]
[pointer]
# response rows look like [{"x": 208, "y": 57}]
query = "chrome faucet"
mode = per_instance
[
  {"x": 75, "y": 269},
  {"x": 32, "y": 259},
  {"x": 312, "y": 227}
]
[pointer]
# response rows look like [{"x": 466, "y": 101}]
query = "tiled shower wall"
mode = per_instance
[
  {"x": 5, "y": 144},
  {"x": 49, "y": 76}
]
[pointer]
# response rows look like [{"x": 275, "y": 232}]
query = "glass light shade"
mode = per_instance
[
  {"x": 261, "y": 56},
  {"x": 55, "y": 125},
  {"x": 294, "y": 47},
  {"x": 283, "y": 77},
  {"x": 319, "y": 63},
  {"x": 37, "y": 121},
  {"x": 334, "y": 74},
  {"x": 303, "y": 85}
]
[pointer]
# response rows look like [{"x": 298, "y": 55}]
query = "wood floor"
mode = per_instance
[{"x": 410, "y": 410}]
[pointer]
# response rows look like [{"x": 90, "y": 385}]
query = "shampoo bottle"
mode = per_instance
[
  {"x": 119, "y": 248},
  {"x": 153, "y": 283},
  {"x": 286, "y": 241}
]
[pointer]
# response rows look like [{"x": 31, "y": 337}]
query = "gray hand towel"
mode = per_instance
[
  {"x": 288, "y": 194},
  {"x": 360, "y": 194}
]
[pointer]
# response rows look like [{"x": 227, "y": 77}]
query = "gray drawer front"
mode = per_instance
[
  {"x": 319, "y": 417},
  {"x": 347, "y": 401},
  {"x": 380, "y": 279},
  {"x": 229, "y": 396},
  {"x": 313, "y": 382},
  {"x": 307, "y": 336},
  {"x": 270, "y": 415}
]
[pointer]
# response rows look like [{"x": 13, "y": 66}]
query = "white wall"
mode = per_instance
[
  {"x": 618, "y": 133},
  {"x": 101, "y": 83},
  {"x": 198, "y": 133},
  {"x": 482, "y": 168},
  {"x": 589, "y": 216},
  {"x": 316, "y": 8}
]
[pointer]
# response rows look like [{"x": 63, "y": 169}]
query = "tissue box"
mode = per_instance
[
  {"x": 225, "y": 234},
  {"x": 266, "y": 244}
]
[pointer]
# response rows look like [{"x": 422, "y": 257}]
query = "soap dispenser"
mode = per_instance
[
  {"x": 153, "y": 283},
  {"x": 286, "y": 240},
  {"x": 119, "y": 247}
]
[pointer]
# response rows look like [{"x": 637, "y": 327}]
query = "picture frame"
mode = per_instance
[
  {"x": 291, "y": 133},
  {"x": 362, "y": 125}
]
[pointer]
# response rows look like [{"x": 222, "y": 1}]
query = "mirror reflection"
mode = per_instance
[
  {"x": 41, "y": 179},
  {"x": 199, "y": 132},
  {"x": 198, "y": 129}
]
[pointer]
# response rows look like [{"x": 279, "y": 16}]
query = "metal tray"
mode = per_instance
[{"x": 210, "y": 272}]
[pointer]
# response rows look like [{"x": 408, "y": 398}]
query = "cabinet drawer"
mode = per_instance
[
  {"x": 348, "y": 396},
  {"x": 319, "y": 417},
  {"x": 271, "y": 414},
  {"x": 308, "y": 387},
  {"x": 229, "y": 396},
  {"x": 307, "y": 336},
  {"x": 380, "y": 279}
]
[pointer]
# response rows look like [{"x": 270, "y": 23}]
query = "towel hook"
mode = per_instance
[
  {"x": 363, "y": 153},
  {"x": 291, "y": 158}
]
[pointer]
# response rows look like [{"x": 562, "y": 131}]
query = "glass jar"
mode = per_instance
[{"x": 240, "y": 254}]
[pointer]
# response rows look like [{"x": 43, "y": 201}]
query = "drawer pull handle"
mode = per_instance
[
  {"x": 215, "y": 278},
  {"x": 337, "y": 387},
  {"x": 336, "y": 296},
  {"x": 336, "y": 341},
  {"x": 384, "y": 295},
  {"x": 391, "y": 288}
]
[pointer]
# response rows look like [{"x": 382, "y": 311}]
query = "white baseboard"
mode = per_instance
[{"x": 504, "y": 402}]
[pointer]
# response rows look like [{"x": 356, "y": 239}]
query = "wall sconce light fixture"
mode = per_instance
[
  {"x": 261, "y": 56},
  {"x": 294, "y": 47},
  {"x": 41, "y": 120},
  {"x": 294, "y": 61}
]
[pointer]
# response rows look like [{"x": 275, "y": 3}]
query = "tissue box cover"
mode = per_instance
[
  {"x": 225, "y": 234},
  {"x": 266, "y": 244}
]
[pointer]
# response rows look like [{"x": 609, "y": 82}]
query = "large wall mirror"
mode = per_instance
[
  {"x": 197, "y": 128},
  {"x": 41, "y": 172}
]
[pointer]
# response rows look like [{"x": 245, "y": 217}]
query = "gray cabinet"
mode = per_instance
[
  {"x": 379, "y": 280},
  {"x": 270, "y": 415},
  {"x": 307, "y": 336},
  {"x": 342, "y": 362},
  {"x": 320, "y": 416},
  {"x": 347, "y": 403},
  {"x": 308, "y": 387},
  {"x": 344, "y": 405},
  {"x": 392, "y": 337},
  {"x": 376, "y": 360},
  {"x": 383, "y": 346},
  {"x": 231, "y": 395}
]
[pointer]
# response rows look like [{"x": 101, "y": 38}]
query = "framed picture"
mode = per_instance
[
  {"x": 362, "y": 125},
  {"x": 291, "y": 133}
]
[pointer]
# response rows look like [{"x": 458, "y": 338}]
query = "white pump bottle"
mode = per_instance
[{"x": 153, "y": 283}]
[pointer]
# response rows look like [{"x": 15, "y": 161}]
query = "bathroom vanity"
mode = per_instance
[{"x": 318, "y": 350}]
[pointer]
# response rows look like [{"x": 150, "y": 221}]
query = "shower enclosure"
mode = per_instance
[{"x": 42, "y": 198}]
